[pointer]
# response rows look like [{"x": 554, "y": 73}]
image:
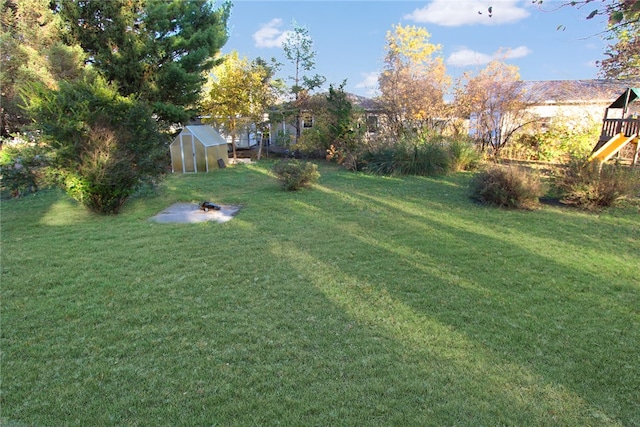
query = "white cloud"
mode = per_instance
[
  {"x": 464, "y": 57},
  {"x": 369, "y": 82},
  {"x": 270, "y": 35},
  {"x": 519, "y": 52},
  {"x": 451, "y": 13}
]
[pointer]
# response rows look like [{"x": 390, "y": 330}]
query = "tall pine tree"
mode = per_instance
[{"x": 157, "y": 50}]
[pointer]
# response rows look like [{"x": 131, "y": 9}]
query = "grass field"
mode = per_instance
[{"x": 365, "y": 300}]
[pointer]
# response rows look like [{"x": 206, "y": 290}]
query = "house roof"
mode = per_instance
[
  {"x": 595, "y": 91},
  {"x": 206, "y": 134},
  {"x": 368, "y": 104}
]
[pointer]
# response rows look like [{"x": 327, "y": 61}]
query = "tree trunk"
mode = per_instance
[
  {"x": 233, "y": 146},
  {"x": 260, "y": 148},
  {"x": 233, "y": 140}
]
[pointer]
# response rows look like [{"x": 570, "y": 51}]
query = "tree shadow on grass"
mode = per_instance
[{"x": 534, "y": 310}]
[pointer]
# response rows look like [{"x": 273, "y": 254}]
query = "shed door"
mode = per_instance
[{"x": 188, "y": 153}]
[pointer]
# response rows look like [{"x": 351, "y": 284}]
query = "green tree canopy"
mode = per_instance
[
  {"x": 31, "y": 52},
  {"x": 298, "y": 50},
  {"x": 102, "y": 145},
  {"x": 157, "y": 50}
]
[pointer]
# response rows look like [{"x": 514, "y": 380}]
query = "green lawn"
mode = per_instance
[{"x": 365, "y": 300}]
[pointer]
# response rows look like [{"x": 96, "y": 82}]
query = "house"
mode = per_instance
[
  {"x": 281, "y": 129},
  {"x": 578, "y": 102}
]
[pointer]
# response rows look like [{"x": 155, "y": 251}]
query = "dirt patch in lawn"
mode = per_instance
[{"x": 191, "y": 213}]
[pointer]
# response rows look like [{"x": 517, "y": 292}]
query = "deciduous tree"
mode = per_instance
[
  {"x": 622, "y": 56},
  {"x": 623, "y": 32},
  {"x": 237, "y": 94},
  {"x": 414, "y": 80},
  {"x": 298, "y": 50},
  {"x": 495, "y": 103}
]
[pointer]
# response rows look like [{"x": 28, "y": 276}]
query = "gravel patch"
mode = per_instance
[{"x": 191, "y": 213}]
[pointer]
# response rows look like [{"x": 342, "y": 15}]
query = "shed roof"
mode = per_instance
[
  {"x": 206, "y": 134},
  {"x": 626, "y": 98}
]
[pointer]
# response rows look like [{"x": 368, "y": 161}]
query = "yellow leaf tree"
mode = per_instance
[
  {"x": 495, "y": 102},
  {"x": 414, "y": 80},
  {"x": 237, "y": 94}
]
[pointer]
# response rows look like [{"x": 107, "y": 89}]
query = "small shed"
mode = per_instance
[{"x": 198, "y": 148}]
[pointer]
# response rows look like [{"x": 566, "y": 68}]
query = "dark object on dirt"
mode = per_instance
[{"x": 205, "y": 206}]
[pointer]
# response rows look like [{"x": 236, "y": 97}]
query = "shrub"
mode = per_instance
[
  {"x": 592, "y": 185},
  {"x": 102, "y": 145},
  {"x": 463, "y": 155},
  {"x": 23, "y": 168},
  {"x": 312, "y": 143},
  {"x": 426, "y": 159},
  {"x": 507, "y": 187},
  {"x": 379, "y": 161},
  {"x": 563, "y": 139},
  {"x": 283, "y": 138},
  {"x": 294, "y": 175}
]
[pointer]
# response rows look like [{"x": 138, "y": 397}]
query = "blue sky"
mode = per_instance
[{"x": 349, "y": 36}]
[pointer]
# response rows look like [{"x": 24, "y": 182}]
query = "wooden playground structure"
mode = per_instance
[{"x": 619, "y": 135}]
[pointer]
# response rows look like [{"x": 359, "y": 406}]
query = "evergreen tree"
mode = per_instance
[
  {"x": 32, "y": 52},
  {"x": 157, "y": 50},
  {"x": 101, "y": 145}
]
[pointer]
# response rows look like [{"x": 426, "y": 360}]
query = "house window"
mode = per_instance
[
  {"x": 307, "y": 120},
  {"x": 372, "y": 124}
]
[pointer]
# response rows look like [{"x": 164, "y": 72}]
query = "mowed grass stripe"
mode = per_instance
[{"x": 364, "y": 300}]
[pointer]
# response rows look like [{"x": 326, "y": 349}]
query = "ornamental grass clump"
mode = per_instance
[
  {"x": 409, "y": 157},
  {"x": 294, "y": 175},
  {"x": 594, "y": 185},
  {"x": 463, "y": 155},
  {"x": 507, "y": 187}
]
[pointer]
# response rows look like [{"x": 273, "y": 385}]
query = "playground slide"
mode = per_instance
[{"x": 611, "y": 147}]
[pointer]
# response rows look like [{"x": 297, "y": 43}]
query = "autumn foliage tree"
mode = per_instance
[
  {"x": 622, "y": 59},
  {"x": 622, "y": 55},
  {"x": 495, "y": 103},
  {"x": 237, "y": 94},
  {"x": 414, "y": 80}
]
